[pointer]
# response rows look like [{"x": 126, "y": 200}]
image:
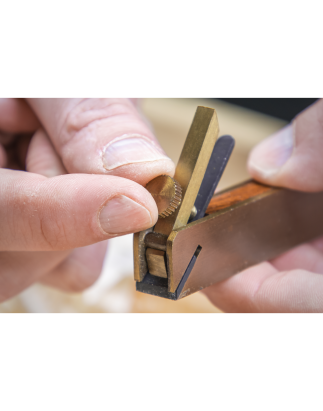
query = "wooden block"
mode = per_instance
[{"x": 156, "y": 262}]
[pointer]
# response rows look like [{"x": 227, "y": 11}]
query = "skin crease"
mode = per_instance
[
  {"x": 47, "y": 192},
  {"x": 42, "y": 158},
  {"x": 71, "y": 217},
  {"x": 45, "y": 266},
  {"x": 88, "y": 126},
  {"x": 303, "y": 170},
  {"x": 290, "y": 283}
]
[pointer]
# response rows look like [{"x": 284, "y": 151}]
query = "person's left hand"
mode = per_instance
[{"x": 87, "y": 137}]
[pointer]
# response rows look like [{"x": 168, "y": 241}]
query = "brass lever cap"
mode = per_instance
[{"x": 167, "y": 193}]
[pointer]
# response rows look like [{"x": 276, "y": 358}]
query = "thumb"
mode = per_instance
[
  {"x": 69, "y": 211},
  {"x": 292, "y": 157},
  {"x": 103, "y": 136}
]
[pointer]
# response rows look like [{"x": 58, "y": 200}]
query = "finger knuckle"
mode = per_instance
[
  {"x": 54, "y": 233},
  {"x": 90, "y": 111}
]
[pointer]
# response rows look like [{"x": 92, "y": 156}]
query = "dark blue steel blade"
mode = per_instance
[
  {"x": 159, "y": 286},
  {"x": 218, "y": 161}
]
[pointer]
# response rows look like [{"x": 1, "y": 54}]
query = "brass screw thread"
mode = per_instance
[{"x": 175, "y": 201}]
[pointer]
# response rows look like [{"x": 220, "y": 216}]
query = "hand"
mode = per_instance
[
  {"x": 53, "y": 224},
  {"x": 293, "y": 282}
]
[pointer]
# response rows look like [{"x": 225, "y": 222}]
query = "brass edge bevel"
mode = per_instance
[
  {"x": 139, "y": 253},
  {"x": 169, "y": 258},
  {"x": 192, "y": 189},
  {"x": 191, "y": 166}
]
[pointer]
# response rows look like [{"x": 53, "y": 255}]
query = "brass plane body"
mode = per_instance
[{"x": 243, "y": 226}]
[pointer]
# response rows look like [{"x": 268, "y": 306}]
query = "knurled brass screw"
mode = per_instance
[{"x": 167, "y": 193}]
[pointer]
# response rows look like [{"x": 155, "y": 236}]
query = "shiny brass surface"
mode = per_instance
[
  {"x": 243, "y": 226},
  {"x": 191, "y": 167},
  {"x": 156, "y": 262},
  {"x": 139, "y": 254},
  {"x": 246, "y": 233},
  {"x": 167, "y": 193}
]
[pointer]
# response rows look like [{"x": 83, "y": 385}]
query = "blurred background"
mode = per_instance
[
  {"x": 248, "y": 121},
  {"x": 283, "y": 108}
]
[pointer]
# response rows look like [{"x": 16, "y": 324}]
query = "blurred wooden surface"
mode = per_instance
[{"x": 115, "y": 290}]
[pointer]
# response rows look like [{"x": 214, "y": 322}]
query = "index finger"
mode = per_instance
[
  {"x": 263, "y": 288},
  {"x": 103, "y": 136}
]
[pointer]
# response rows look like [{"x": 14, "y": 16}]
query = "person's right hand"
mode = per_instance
[
  {"x": 53, "y": 224},
  {"x": 293, "y": 282}
]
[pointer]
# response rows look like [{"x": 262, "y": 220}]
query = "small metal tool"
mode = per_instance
[
  {"x": 205, "y": 238},
  {"x": 167, "y": 193}
]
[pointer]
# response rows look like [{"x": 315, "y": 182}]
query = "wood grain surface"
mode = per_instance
[{"x": 236, "y": 195}]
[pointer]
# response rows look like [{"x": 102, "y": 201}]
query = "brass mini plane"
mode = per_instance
[{"x": 200, "y": 238}]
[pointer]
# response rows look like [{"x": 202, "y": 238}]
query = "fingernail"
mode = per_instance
[
  {"x": 271, "y": 154},
  {"x": 130, "y": 149},
  {"x": 122, "y": 215}
]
